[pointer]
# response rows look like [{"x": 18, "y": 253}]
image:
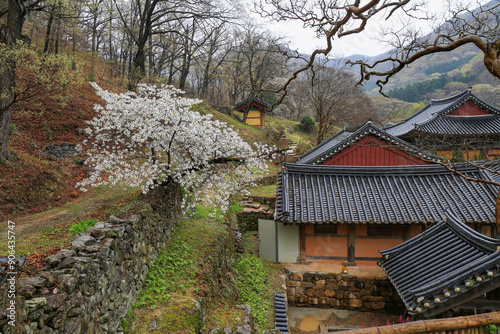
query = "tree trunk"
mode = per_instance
[
  {"x": 492, "y": 59},
  {"x": 186, "y": 64},
  {"x": 150, "y": 57},
  {"x": 170, "y": 73},
  {"x": 47, "y": 33},
  {"x": 56, "y": 36},
  {"x": 206, "y": 75},
  {"x": 110, "y": 45},
  {"x": 139, "y": 65},
  {"x": 7, "y": 83},
  {"x": 4, "y": 131},
  {"x": 93, "y": 47},
  {"x": 247, "y": 111},
  {"x": 9, "y": 35},
  {"x": 166, "y": 199}
]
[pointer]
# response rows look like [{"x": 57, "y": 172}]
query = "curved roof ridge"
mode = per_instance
[
  {"x": 392, "y": 125},
  {"x": 323, "y": 143},
  {"x": 479, "y": 240},
  {"x": 437, "y": 108},
  {"x": 456, "y": 275},
  {"x": 462, "y": 98},
  {"x": 453, "y": 97},
  {"x": 367, "y": 129},
  {"x": 377, "y": 170}
]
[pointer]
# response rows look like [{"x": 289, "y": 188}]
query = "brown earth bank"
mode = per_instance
[{"x": 35, "y": 181}]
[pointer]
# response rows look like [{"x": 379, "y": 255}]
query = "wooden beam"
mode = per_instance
[
  {"x": 482, "y": 304},
  {"x": 302, "y": 243},
  {"x": 351, "y": 240},
  {"x": 464, "y": 298},
  {"x": 406, "y": 232}
]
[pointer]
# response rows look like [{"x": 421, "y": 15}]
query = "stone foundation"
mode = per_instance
[
  {"x": 89, "y": 288},
  {"x": 342, "y": 291}
]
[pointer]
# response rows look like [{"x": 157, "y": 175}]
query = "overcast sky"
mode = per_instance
[{"x": 365, "y": 43}]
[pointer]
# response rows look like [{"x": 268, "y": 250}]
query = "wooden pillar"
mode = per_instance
[
  {"x": 406, "y": 232},
  {"x": 302, "y": 243},
  {"x": 351, "y": 240}
]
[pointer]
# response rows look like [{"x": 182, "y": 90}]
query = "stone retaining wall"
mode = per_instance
[
  {"x": 267, "y": 180},
  {"x": 313, "y": 289},
  {"x": 255, "y": 208},
  {"x": 89, "y": 288}
]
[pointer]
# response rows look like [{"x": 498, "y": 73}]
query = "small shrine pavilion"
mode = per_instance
[{"x": 256, "y": 108}]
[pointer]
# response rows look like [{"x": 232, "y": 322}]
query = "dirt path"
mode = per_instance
[{"x": 85, "y": 204}]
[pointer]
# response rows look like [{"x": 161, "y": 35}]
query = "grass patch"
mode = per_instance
[
  {"x": 236, "y": 207},
  {"x": 174, "y": 280},
  {"x": 203, "y": 212},
  {"x": 258, "y": 280},
  {"x": 223, "y": 315},
  {"x": 83, "y": 225},
  {"x": 269, "y": 191}
]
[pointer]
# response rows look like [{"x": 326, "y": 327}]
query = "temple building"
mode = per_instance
[
  {"x": 348, "y": 214},
  {"x": 460, "y": 125}
]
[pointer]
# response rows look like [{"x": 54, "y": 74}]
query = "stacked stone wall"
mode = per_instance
[
  {"x": 89, "y": 288},
  {"x": 255, "y": 208},
  {"x": 311, "y": 289}
]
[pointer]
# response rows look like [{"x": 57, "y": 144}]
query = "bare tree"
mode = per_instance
[
  {"x": 480, "y": 27},
  {"x": 339, "y": 18},
  {"x": 333, "y": 98},
  {"x": 94, "y": 17},
  {"x": 10, "y": 34},
  {"x": 263, "y": 60},
  {"x": 154, "y": 17}
]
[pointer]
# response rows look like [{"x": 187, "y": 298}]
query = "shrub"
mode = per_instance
[{"x": 307, "y": 123}]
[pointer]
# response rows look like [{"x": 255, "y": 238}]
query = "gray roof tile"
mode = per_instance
[
  {"x": 441, "y": 265},
  {"x": 381, "y": 195}
]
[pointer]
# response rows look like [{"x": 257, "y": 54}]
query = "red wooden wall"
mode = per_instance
[
  {"x": 371, "y": 151},
  {"x": 469, "y": 109}
]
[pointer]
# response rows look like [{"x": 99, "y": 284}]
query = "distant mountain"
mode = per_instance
[
  {"x": 437, "y": 75},
  {"x": 463, "y": 65}
]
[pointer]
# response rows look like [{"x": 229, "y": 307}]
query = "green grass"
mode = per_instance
[
  {"x": 236, "y": 207},
  {"x": 206, "y": 212},
  {"x": 178, "y": 263},
  {"x": 173, "y": 281},
  {"x": 83, "y": 225},
  {"x": 257, "y": 282},
  {"x": 269, "y": 191}
]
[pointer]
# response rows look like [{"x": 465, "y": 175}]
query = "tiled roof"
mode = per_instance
[
  {"x": 470, "y": 125},
  {"x": 344, "y": 139},
  {"x": 446, "y": 264},
  {"x": 438, "y": 109},
  {"x": 381, "y": 195},
  {"x": 495, "y": 175},
  {"x": 256, "y": 100}
]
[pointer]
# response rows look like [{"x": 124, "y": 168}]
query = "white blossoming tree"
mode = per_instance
[{"x": 153, "y": 140}]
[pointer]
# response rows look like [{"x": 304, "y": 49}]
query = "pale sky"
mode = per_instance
[{"x": 365, "y": 43}]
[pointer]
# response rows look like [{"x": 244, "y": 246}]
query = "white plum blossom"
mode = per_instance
[{"x": 152, "y": 137}]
